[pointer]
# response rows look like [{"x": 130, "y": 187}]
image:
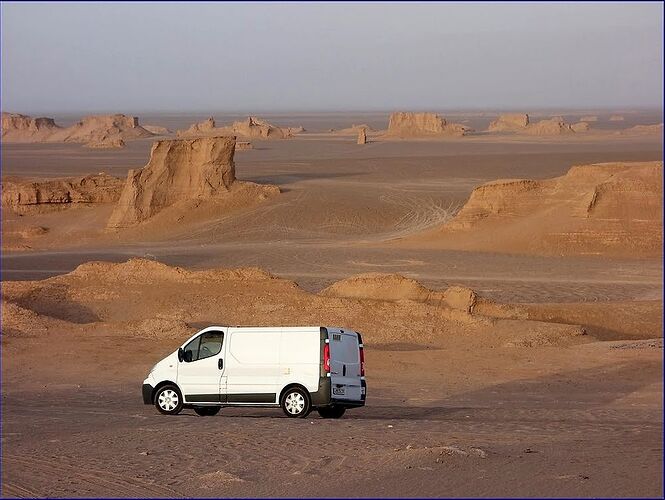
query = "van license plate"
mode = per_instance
[{"x": 338, "y": 391}]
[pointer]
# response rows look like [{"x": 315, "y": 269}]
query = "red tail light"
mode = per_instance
[
  {"x": 362, "y": 362},
  {"x": 326, "y": 357}
]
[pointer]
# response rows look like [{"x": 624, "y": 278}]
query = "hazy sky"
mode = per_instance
[{"x": 129, "y": 57}]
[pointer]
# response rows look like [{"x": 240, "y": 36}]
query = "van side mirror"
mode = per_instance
[
  {"x": 187, "y": 356},
  {"x": 181, "y": 354}
]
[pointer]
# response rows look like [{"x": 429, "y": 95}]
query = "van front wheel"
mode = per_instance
[
  {"x": 168, "y": 400},
  {"x": 295, "y": 403},
  {"x": 331, "y": 411}
]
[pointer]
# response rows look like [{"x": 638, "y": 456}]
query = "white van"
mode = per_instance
[{"x": 297, "y": 368}]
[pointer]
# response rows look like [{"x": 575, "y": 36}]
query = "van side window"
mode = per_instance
[
  {"x": 204, "y": 346},
  {"x": 192, "y": 349},
  {"x": 211, "y": 344}
]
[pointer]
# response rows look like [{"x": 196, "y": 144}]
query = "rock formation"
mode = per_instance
[
  {"x": 423, "y": 125},
  {"x": 580, "y": 127},
  {"x": 251, "y": 127},
  {"x": 643, "y": 130},
  {"x": 608, "y": 209},
  {"x": 96, "y": 130},
  {"x": 243, "y": 145},
  {"x": 511, "y": 122},
  {"x": 21, "y": 128},
  {"x": 157, "y": 130},
  {"x": 200, "y": 129},
  {"x": 589, "y": 118},
  {"x": 553, "y": 126},
  {"x": 616, "y": 118},
  {"x": 109, "y": 143},
  {"x": 22, "y": 195},
  {"x": 178, "y": 170},
  {"x": 362, "y": 136},
  {"x": 103, "y": 128}
]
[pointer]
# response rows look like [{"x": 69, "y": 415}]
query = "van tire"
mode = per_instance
[
  {"x": 207, "y": 411},
  {"x": 168, "y": 400},
  {"x": 296, "y": 403},
  {"x": 331, "y": 411}
]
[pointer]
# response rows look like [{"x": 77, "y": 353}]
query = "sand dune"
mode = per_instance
[{"x": 609, "y": 209}]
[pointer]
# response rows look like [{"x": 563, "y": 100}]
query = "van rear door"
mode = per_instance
[{"x": 345, "y": 373}]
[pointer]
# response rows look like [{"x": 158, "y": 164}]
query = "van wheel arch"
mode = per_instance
[
  {"x": 308, "y": 398},
  {"x": 162, "y": 384}
]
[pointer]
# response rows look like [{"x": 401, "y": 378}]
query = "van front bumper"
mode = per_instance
[{"x": 147, "y": 394}]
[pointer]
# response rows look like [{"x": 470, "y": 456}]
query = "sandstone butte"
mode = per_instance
[
  {"x": 97, "y": 130},
  {"x": 520, "y": 123},
  {"x": 178, "y": 170},
  {"x": 610, "y": 209},
  {"x": 403, "y": 124},
  {"x": 251, "y": 127}
]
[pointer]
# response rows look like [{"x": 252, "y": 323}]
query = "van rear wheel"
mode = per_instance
[
  {"x": 295, "y": 403},
  {"x": 207, "y": 411},
  {"x": 168, "y": 400},
  {"x": 331, "y": 411}
]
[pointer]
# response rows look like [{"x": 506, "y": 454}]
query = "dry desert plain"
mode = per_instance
[{"x": 506, "y": 274}]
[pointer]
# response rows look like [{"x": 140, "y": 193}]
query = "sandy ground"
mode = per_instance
[{"x": 455, "y": 407}]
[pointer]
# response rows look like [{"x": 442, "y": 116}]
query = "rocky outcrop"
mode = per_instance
[
  {"x": 243, "y": 145},
  {"x": 22, "y": 128},
  {"x": 157, "y": 130},
  {"x": 643, "y": 130},
  {"x": 553, "y": 126},
  {"x": 104, "y": 130},
  {"x": 201, "y": 129},
  {"x": 109, "y": 143},
  {"x": 580, "y": 127},
  {"x": 607, "y": 209},
  {"x": 403, "y": 124},
  {"x": 251, "y": 127},
  {"x": 362, "y": 136},
  {"x": 616, "y": 118},
  {"x": 178, "y": 170},
  {"x": 20, "y": 195},
  {"x": 511, "y": 122},
  {"x": 589, "y": 118}
]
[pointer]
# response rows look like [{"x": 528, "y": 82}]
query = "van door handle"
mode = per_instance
[{"x": 220, "y": 364}]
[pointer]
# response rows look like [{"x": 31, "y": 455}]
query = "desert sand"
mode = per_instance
[{"x": 508, "y": 286}]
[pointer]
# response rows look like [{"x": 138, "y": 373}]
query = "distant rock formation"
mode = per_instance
[
  {"x": 101, "y": 128},
  {"x": 510, "y": 122},
  {"x": 178, "y": 170},
  {"x": 580, "y": 127},
  {"x": 362, "y": 136},
  {"x": 607, "y": 209},
  {"x": 22, "y": 128},
  {"x": 23, "y": 195},
  {"x": 352, "y": 130},
  {"x": 110, "y": 143},
  {"x": 403, "y": 124},
  {"x": 553, "y": 126},
  {"x": 157, "y": 130},
  {"x": 243, "y": 145},
  {"x": 643, "y": 130},
  {"x": 616, "y": 118},
  {"x": 589, "y": 118},
  {"x": 95, "y": 130},
  {"x": 251, "y": 127}
]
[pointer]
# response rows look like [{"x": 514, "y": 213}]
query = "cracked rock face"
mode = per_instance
[{"x": 178, "y": 170}]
